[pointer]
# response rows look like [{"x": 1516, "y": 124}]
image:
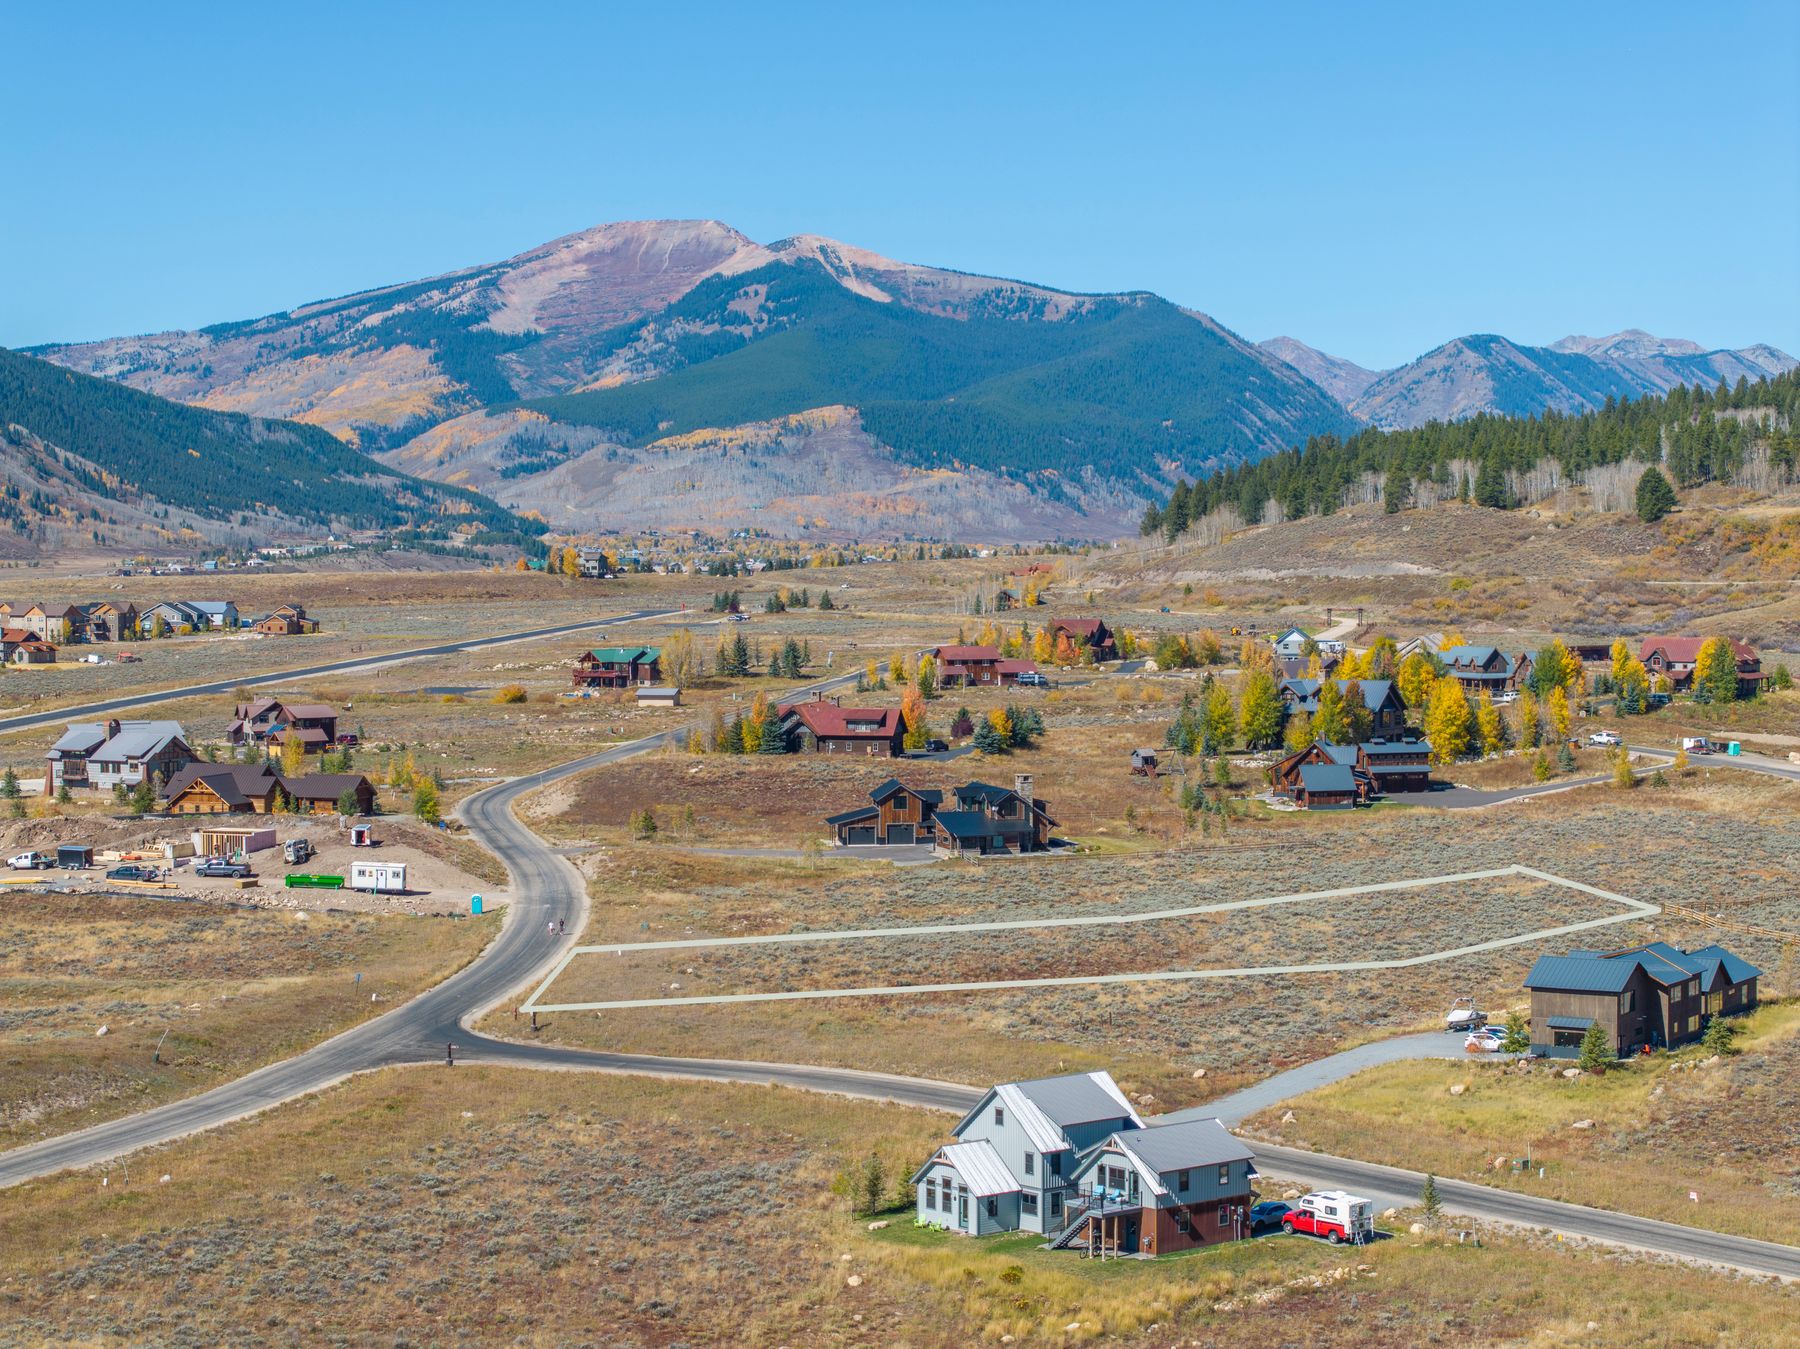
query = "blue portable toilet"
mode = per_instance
[
  {"x": 475, "y": 906},
  {"x": 1732, "y": 747}
]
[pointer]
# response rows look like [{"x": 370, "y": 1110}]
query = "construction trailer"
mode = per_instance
[{"x": 380, "y": 878}]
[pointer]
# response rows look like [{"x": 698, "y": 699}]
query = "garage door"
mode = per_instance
[
  {"x": 860, "y": 834},
  {"x": 900, "y": 833}
]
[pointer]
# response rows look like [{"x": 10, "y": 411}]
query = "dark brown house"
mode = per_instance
[
  {"x": 1089, "y": 632},
  {"x": 218, "y": 789},
  {"x": 1674, "y": 658},
  {"x": 976, "y": 667},
  {"x": 989, "y": 820},
  {"x": 1644, "y": 997},
  {"x": 1486, "y": 668},
  {"x": 617, "y": 667},
  {"x": 896, "y": 814},
  {"x": 823, "y": 726},
  {"x": 1387, "y": 709}
]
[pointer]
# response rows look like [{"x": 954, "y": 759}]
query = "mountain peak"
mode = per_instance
[
  {"x": 1343, "y": 380},
  {"x": 1629, "y": 344}
]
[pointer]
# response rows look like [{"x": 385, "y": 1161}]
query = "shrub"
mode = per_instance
[{"x": 511, "y": 693}]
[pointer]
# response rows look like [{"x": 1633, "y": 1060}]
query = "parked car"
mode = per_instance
[
  {"x": 1606, "y": 738},
  {"x": 1696, "y": 744},
  {"x": 739, "y": 618},
  {"x": 1032, "y": 679},
  {"x": 131, "y": 871},
  {"x": 31, "y": 861},
  {"x": 222, "y": 866},
  {"x": 1331, "y": 1214},
  {"x": 1269, "y": 1213},
  {"x": 935, "y": 746},
  {"x": 349, "y": 739},
  {"x": 1486, "y": 1040},
  {"x": 1504, "y": 697}
]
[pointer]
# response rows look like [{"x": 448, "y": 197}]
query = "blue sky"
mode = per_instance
[{"x": 1371, "y": 179}]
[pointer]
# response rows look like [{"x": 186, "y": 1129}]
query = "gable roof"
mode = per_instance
[
  {"x": 1183, "y": 1146},
  {"x": 1736, "y": 968},
  {"x": 978, "y": 1164},
  {"x": 139, "y": 740},
  {"x": 892, "y": 785},
  {"x": 312, "y": 711},
  {"x": 625, "y": 655},
  {"x": 965, "y": 653},
  {"x": 1686, "y": 650},
  {"x": 1327, "y": 777},
  {"x": 322, "y": 786},
  {"x": 1078, "y": 627},
  {"x": 1581, "y": 973},
  {"x": 236, "y": 784},
  {"x": 1375, "y": 692},
  {"x": 824, "y": 717},
  {"x": 1016, "y": 667},
  {"x": 1045, "y": 1106}
]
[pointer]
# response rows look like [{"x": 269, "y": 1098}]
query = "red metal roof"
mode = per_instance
[
  {"x": 966, "y": 653},
  {"x": 1686, "y": 650},
  {"x": 1081, "y": 627},
  {"x": 827, "y": 718},
  {"x": 1016, "y": 667}
]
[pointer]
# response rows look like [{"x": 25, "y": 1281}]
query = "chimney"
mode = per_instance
[
  {"x": 112, "y": 727},
  {"x": 1022, "y": 786}
]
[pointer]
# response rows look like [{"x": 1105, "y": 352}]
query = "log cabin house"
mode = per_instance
[
  {"x": 1486, "y": 668},
  {"x": 617, "y": 667},
  {"x": 1387, "y": 709},
  {"x": 218, "y": 789},
  {"x": 977, "y": 667},
  {"x": 1089, "y": 632},
  {"x": 1674, "y": 658}
]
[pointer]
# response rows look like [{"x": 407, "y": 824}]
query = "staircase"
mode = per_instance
[{"x": 1074, "y": 1219}]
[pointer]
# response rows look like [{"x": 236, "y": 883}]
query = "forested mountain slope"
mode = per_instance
[{"x": 134, "y": 449}]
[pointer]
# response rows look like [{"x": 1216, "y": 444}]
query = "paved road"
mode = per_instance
[
  {"x": 548, "y": 888},
  {"x": 27, "y": 720},
  {"x": 1474, "y": 798},
  {"x": 1748, "y": 763}
]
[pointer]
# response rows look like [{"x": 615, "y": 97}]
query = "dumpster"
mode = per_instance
[{"x": 298, "y": 880}]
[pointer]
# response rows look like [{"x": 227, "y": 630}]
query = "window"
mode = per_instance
[
  {"x": 931, "y": 1192},
  {"x": 1028, "y": 1202},
  {"x": 999, "y": 1116},
  {"x": 1183, "y": 1222},
  {"x": 1181, "y": 1181},
  {"x": 1628, "y": 1001},
  {"x": 1055, "y": 1203},
  {"x": 1225, "y": 1174},
  {"x": 1056, "y": 1163},
  {"x": 1224, "y": 1215},
  {"x": 993, "y": 1207},
  {"x": 1030, "y": 1164}
]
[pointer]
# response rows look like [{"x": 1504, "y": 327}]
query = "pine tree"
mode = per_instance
[
  {"x": 1594, "y": 1052},
  {"x": 770, "y": 739},
  {"x": 1565, "y": 758},
  {"x": 1429, "y": 1200},
  {"x": 987, "y": 739},
  {"x": 1715, "y": 671},
  {"x": 1655, "y": 497}
]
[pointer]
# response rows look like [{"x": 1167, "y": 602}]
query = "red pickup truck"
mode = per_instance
[{"x": 1331, "y": 1214}]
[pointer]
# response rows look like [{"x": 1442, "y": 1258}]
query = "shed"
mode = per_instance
[
  {"x": 1143, "y": 762},
  {"x": 74, "y": 855},
  {"x": 1327, "y": 786},
  {"x": 652, "y": 696}
]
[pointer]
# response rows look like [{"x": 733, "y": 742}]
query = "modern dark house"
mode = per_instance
[
  {"x": 1311, "y": 778},
  {"x": 1654, "y": 996},
  {"x": 1387, "y": 709},
  {"x": 983, "y": 819}
]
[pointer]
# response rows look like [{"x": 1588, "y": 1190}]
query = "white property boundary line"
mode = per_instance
[{"x": 1634, "y": 909}]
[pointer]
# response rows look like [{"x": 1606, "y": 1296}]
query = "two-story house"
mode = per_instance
[
  {"x": 1486, "y": 668},
  {"x": 1674, "y": 658},
  {"x": 1012, "y": 1167},
  {"x": 104, "y": 755},
  {"x": 977, "y": 667},
  {"x": 1089, "y": 632},
  {"x": 617, "y": 667},
  {"x": 990, "y": 820},
  {"x": 1387, "y": 709},
  {"x": 896, "y": 814},
  {"x": 1170, "y": 1186},
  {"x": 1643, "y": 997},
  {"x": 824, "y": 726}
]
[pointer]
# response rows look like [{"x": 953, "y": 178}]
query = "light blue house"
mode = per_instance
[{"x": 1012, "y": 1167}]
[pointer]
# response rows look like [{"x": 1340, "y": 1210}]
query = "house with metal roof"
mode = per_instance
[
  {"x": 1653, "y": 996},
  {"x": 107, "y": 754},
  {"x": 825, "y": 726},
  {"x": 1162, "y": 1188},
  {"x": 982, "y": 820},
  {"x": 1387, "y": 709},
  {"x": 617, "y": 667},
  {"x": 1485, "y": 668},
  {"x": 1012, "y": 1166},
  {"x": 1675, "y": 658},
  {"x": 896, "y": 813}
]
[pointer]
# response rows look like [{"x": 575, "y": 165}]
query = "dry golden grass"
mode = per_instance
[
  {"x": 222, "y": 991},
  {"x": 443, "y": 1206}
]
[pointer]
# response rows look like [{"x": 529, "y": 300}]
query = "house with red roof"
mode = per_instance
[
  {"x": 1674, "y": 658},
  {"x": 824, "y": 726}
]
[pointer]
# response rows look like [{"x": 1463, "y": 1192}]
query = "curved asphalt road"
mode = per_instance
[
  {"x": 27, "y": 720},
  {"x": 547, "y": 887}
]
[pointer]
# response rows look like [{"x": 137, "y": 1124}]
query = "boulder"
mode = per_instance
[
  {"x": 1458, "y": 1088},
  {"x": 1571, "y": 1072},
  {"x": 1199, "y": 1072},
  {"x": 1417, "y": 1229},
  {"x": 877, "y": 1226},
  {"x": 1287, "y": 1117},
  {"x": 1390, "y": 1213},
  {"x": 855, "y": 1281},
  {"x": 101, "y": 1031},
  {"x": 1582, "y": 1124}
]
